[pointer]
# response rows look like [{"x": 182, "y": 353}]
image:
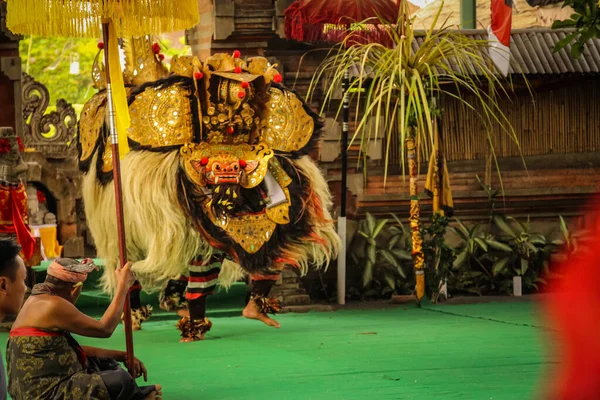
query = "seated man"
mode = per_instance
[
  {"x": 43, "y": 359},
  {"x": 12, "y": 289}
]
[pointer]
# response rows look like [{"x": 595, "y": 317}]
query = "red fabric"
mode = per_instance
[
  {"x": 306, "y": 20},
  {"x": 203, "y": 278},
  {"x": 194, "y": 296},
  {"x": 502, "y": 20},
  {"x": 573, "y": 308},
  {"x": 14, "y": 219},
  {"x": 33, "y": 332},
  {"x": 136, "y": 286}
]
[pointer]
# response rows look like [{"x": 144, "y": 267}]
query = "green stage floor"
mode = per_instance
[{"x": 483, "y": 351}]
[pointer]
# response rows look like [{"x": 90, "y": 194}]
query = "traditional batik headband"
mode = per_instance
[{"x": 72, "y": 271}]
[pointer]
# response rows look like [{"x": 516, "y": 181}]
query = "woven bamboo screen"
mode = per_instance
[{"x": 565, "y": 120}]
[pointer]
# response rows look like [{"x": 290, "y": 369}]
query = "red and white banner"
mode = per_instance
[{"x": 499, "y": 34}]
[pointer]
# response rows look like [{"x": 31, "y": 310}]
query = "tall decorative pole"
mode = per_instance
[
  {"x": 341, "y": 271},
  {"x": 415, "y": 218},
  {"x": 116, "y": 159}
]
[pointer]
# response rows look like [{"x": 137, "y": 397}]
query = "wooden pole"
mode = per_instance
[
  {"x": 341, "y": 272},
  {"x": 130, "y": 359}
]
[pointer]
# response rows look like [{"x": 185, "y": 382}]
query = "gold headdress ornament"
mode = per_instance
[
  {"x": 225, "y": 87},
  {"x": 143, "y": 63}
]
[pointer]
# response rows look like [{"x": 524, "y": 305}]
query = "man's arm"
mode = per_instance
[
  {"x": 139, "y": 369},
  {"x": 104, "y": 353},
  {"x": 67, "y": 317}
]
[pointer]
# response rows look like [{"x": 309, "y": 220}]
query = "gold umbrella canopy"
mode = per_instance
[{"x": 83, "y": 18}]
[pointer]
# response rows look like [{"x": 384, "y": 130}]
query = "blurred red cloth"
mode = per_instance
[
  {"x": 574, "y": 310},
  {"x": 14, "y": 217}
]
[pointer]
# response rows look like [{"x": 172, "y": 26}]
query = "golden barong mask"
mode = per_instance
[{"x": 209, "y": 164}]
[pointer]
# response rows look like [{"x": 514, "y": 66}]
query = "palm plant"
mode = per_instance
[{"x": 402, "y": 86}]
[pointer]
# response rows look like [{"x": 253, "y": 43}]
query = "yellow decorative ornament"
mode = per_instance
[
  {"x": 161, "y": 117},
  {"x": 142, "y": 65},
  {"x": 285, "y": 124},
  {"x": 250, "y": 231},
  {"x": 93, "y": 114}
]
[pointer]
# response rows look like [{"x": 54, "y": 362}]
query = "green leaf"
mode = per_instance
[
  {"x": 569, "y": 23},
  {"x": 531, "y": 247},
  {"x": 379, "y": 227},
  {"x": 538, "y": 238},
  {"x": 372, "y": 254},
  {"x": 371, "y": 224},
  {"x": 460, "y": 259},
  {"x": 459, "y": 233},
  {"x": 499, "y": 246},
  {"x": 500, "y": 265},
  {"x": 482, "y": 244},
  {"x": 504, "y": 226},
  {"x": 401, "y": 271},
  {"x": 402, "y": 254},
  {"x": 577, "y": 49},
  {"x": 524, "y": 266},
  {"x": 367, "y": 274},
  {"x": 389, "y": 257},
  {"x": 393, "y": 241},
  {"x": 390, "y": 280},
  {"x": 463, "y": 228},
  {"x": 564, "y": 42}
]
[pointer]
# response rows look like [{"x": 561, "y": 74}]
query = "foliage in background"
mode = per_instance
[
  {"x": 482, "y": 262},
  {"x": 378, "y": 253},
  {"x": 472, "y": 269},
  {"x": 439, "y": 255},
  {"x": 585, "y": 21},
  {"x": 48, "y": 60}
]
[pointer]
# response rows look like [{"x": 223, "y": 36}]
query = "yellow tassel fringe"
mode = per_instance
[{"x": 83, "y": 18}]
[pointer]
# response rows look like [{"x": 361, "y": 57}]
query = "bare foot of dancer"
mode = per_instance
[
  {"x": 156, "y": 395},
  {"x": 251, "y": 312},
  {"x": 183, "y": 312}
]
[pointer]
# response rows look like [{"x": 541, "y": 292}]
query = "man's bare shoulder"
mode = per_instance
[{"x": 44, "y": 311}]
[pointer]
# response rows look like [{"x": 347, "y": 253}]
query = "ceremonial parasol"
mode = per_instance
[
  {"x": 318, "y": 21},
  {"x": 337, "y": 21},
  {"x": 112, "y": 18}
]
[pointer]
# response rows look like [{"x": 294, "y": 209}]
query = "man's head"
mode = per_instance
[
  {"x": 12, "y": 278},
  {"x": 67, "y": 276}
]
